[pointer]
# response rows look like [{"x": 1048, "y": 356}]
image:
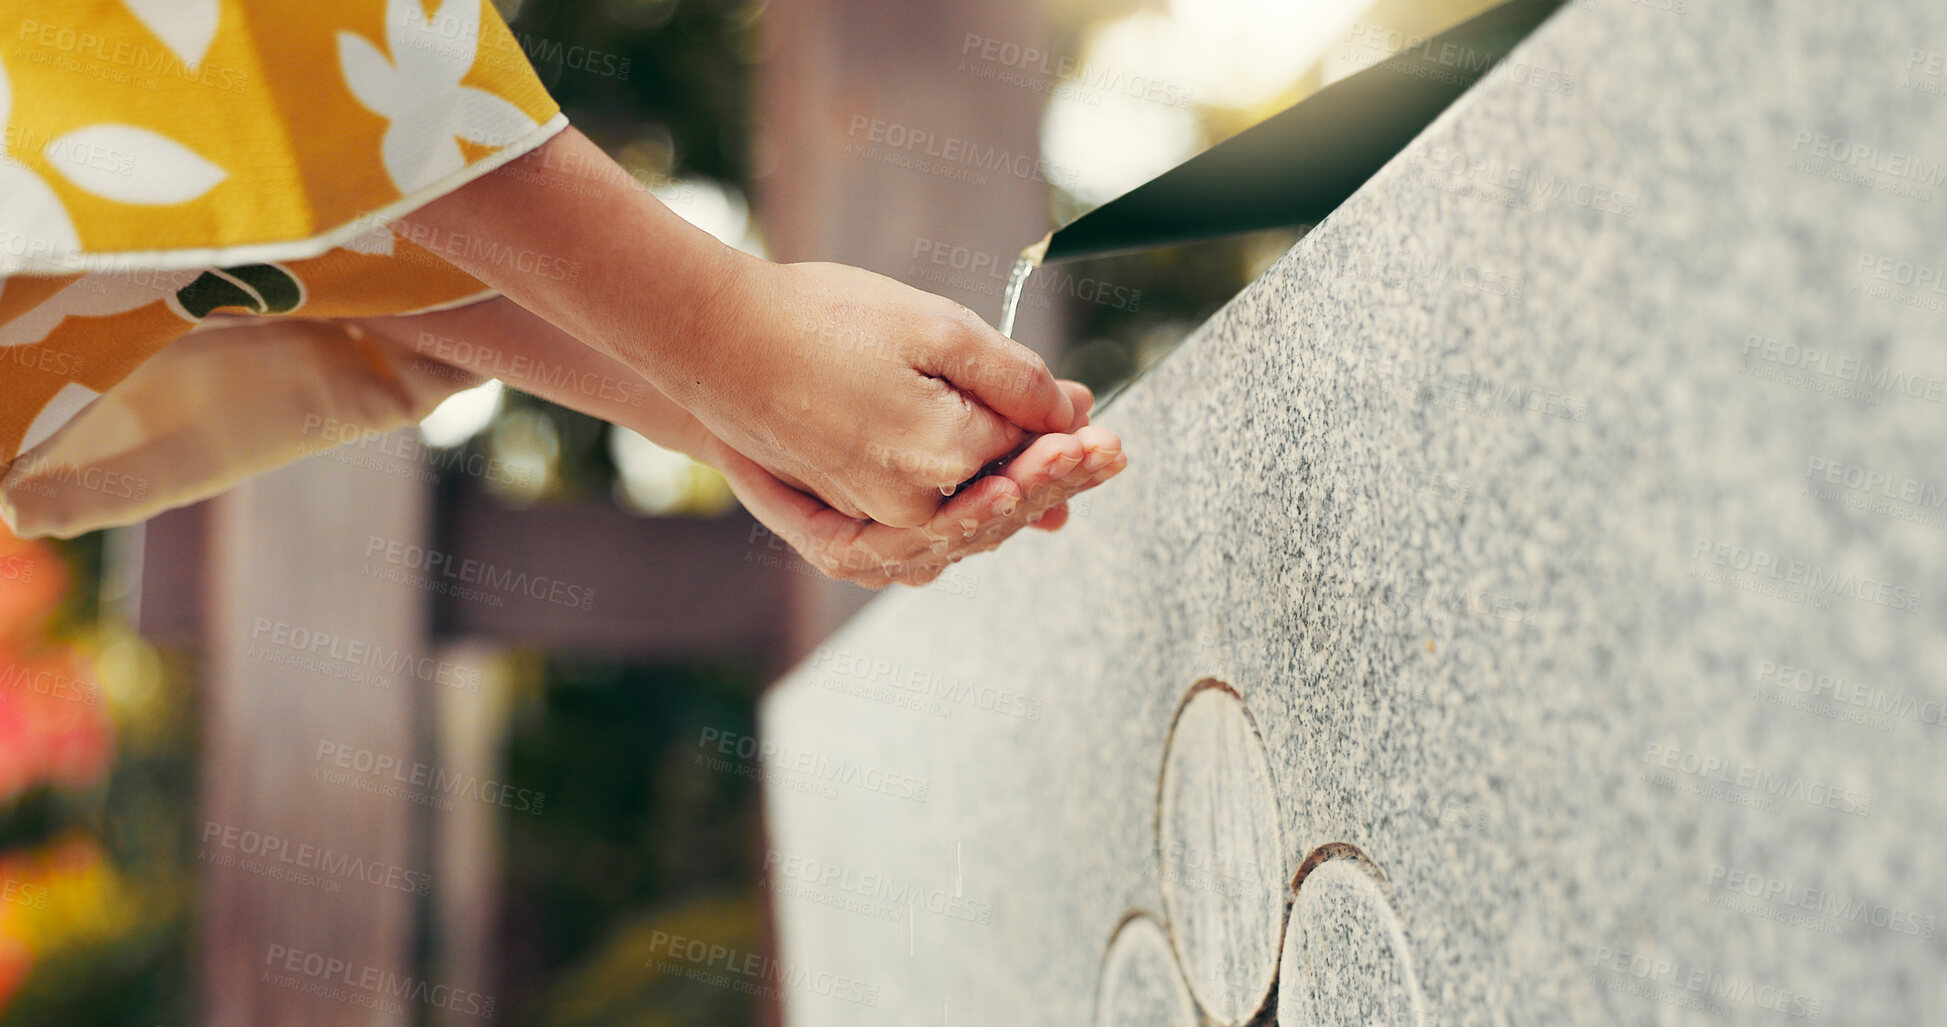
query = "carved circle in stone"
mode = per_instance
[
  {"x": 1219, "y": 854},
  {"x": 1139, "y": 984},
  {"x": 1346, "y": 961}
]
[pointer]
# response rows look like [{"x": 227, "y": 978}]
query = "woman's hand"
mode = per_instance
[
  {"x": 872, "y": 395},
  {"x": 1033, "y": 489}
]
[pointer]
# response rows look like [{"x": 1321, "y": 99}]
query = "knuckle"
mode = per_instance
[
  {"x": 964, "y": 321},
  {"x": 964, "y": 337}
]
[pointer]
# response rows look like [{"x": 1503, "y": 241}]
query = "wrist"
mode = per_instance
[{"x": 704, "y": 327}]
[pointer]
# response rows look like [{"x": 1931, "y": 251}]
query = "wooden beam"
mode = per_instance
[{"x": 595, "y": 580}]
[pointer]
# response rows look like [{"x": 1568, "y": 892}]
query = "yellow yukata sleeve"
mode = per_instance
[
  {"x": 166, "y": 161},
  {"x": 218, "y": 406}
]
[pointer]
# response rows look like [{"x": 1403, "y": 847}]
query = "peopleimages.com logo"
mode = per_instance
[
  {"x": 1808, "y": 576},
  {"x": 366, "y": 985},
  {"x": 466, "y": 577},
  {"x": 228, "y": 843},
  {"x": 1736, "y": 780},
  {"x": 1682, "y": 977},
  {"x": 379, "y": 769}
]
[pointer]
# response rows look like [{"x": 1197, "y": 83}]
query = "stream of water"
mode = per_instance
[{"x": 1017, "y": 283}]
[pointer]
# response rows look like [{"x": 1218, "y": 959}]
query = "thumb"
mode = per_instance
[{"x": 1008, "y": 377}]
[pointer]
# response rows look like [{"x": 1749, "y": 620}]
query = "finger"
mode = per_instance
[
  {"x": 1007, "y": 376},
  {"x": 991, "y": 510},
  {"x": 1046, "y": 473},
  {"x": 1115, "y": 466},
  {"x": 867, "y": 554},
  {"x": 985, "y": 501},
  {"x": 1052, "y": 518},
  {"x": 1083, "y": 401},
  {"x": 1104, "y": 448},
  {"x": 984, "y": 435},
  {"x": 1035, "y": 487},
  {"x": 976, "y": 435},
  {"x": 1053, "y": 475},
  {"x": 919, "y": 574},
  {"x": 1045, "y": 462},
  {"x": 899, "y": 552}
]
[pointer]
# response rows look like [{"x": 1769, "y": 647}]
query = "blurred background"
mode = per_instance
[{"x": 457, "y": 726}]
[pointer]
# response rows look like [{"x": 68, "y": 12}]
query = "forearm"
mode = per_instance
[
  {"x": 623, "y": 273},
  {"x": 500, "y": 339},
  {"x": 870, "y": 394}
]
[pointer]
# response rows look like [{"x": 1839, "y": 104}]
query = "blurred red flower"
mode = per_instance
[
  {"x": 32, "y": 580},
  {"x": 54, "y": 723}
]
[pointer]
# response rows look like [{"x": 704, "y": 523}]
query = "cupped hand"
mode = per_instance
[
  {"x": 868, "y": 393},
  {"x": 1033, "y": 489}
]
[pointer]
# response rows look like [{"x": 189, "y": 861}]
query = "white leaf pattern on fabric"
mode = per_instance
[
  {"x": 102, "y": 294},
  {"x": 440, "y": 57},
  {"x": 418, "y": 91},
  {"x": 488, "y": 120},
  {"x": 71, "y": 400},
  {"x": 186, "y": 27},
  {"x": 32, "y": 212},
  {"x": 163, "y": 171},
  {"x": 416, "y": 160},
  {"x": 367, "y": 72},
  {"x": 32, "y": 217}
]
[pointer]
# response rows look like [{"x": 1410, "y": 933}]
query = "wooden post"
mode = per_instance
[{"x": 309, "y": 742}]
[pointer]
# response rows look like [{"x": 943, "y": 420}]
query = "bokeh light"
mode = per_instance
[{"x": 462, "y": 415}]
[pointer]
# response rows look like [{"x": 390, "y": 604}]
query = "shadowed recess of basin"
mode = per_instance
[
  {"x": 1346, "y": 960},
  {"x": 1219, "y": 851},
  {"x": 1140, "y": 985}
]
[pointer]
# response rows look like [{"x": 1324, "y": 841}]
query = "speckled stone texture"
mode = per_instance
[{"x": 1570, "y": 513}]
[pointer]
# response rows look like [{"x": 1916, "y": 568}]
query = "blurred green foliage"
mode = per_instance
[
  {"x": 639, "y": 824},
  {"x": 678, "y": 80},
  {"x": 664, "y": 86}
]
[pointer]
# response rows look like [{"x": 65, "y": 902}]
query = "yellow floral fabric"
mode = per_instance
[{"x": 164, "y": 161}]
